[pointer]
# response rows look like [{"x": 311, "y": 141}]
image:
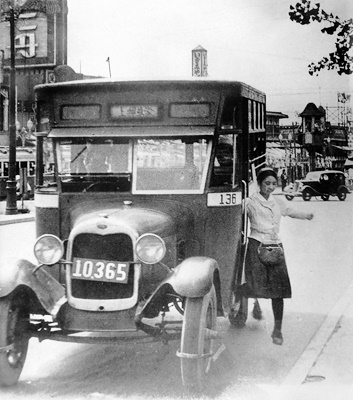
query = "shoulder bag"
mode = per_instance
[{"x": 271, "y": 254}]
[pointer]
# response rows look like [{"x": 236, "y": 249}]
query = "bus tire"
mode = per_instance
[
  {"x": 14, "y": 330},
  {"x": 200, "y": 320}
]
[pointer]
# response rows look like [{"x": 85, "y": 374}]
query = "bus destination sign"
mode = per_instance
[{"x": 134, "y": 111}]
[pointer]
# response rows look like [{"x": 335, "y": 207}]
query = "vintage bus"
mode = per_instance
[{"x": 141, "y": 233}]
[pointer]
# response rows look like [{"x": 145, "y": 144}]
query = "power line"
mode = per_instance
[{"x": 306, "y": 93}]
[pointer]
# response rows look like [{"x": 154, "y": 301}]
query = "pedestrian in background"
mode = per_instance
[
  {"x": 268, "y": 279},
  {"x": 350, "y": 176},
  {"x": 283, "y": 179}
]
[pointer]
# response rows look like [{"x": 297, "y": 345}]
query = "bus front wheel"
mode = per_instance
[
  {"x": 14, "y": 337},
  {"x": 197, "y": 340}
]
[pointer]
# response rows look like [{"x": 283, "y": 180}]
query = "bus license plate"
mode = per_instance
[
  {"x": 224, "y": 199},
  {"x": 100, "y": 270}
]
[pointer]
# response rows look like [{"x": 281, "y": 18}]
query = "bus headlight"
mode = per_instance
[
  {"x": 48, "y": 249},
  {"x": 150, "y": 248}
]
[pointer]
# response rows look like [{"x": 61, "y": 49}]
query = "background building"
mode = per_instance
[
  {"x": 314, "y": 144},
  {"x": 40, "y": 44},
  {"x": 284, "y": 151},
  {"x": 40, "y": 56},
  {"x": 324, "y": 141}
]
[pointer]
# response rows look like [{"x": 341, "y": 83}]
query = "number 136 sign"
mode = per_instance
[{"x": 223, "y": 199}]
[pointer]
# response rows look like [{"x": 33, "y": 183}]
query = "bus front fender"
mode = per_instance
[
  {"x": 19, "y": 272},
  {"x": 194, "y": 276},
  {"x": 191, "y": 278}
]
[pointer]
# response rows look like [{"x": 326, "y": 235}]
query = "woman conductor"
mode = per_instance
[{"x": 265, "y": 279}]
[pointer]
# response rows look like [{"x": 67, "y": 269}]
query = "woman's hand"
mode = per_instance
[{"x": 310, "y": 216}]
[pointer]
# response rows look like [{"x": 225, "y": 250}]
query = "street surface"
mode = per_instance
[{"x": 319, "y": 257}]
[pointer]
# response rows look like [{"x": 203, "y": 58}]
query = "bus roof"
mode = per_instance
[{"x": 178, "y": 81}]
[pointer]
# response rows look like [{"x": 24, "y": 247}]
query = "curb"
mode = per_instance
[
  {"x": 304, "y": 364},
  {"x": 26, "y": 213},
  {"x": 12, "y": 220}
]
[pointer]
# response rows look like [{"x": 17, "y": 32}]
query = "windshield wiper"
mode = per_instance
[{"x": 78, "y": 155}]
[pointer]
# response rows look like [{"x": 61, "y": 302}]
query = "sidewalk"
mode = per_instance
[
  {"x": 324, "y": 371},
  {"x": 332, "y": 374},
  {"x": 20, "y": 216}
]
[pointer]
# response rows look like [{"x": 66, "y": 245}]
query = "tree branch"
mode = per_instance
[{"x": 342, "y": 59}]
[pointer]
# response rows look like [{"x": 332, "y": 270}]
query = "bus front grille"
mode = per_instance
[{"x": 116, "y": 248}]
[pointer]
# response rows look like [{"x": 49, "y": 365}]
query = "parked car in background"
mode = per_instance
[{"x": 319, "y": 184}]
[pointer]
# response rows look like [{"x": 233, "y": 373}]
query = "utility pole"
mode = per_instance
[
  {"x": 11, "y": 201},
  {"x": 295, "y": 154}
]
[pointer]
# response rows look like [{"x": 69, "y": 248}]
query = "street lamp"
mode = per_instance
[
  {"x": 280, "y": 137},
  {"x": 291, "y": 138},
  {"x": 10, "y": 9},
  {"x": 291, "y": 172},
  {"x": 327, "y": 153}
]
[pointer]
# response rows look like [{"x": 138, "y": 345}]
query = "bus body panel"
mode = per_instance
[{"x": 148, "y": 109}]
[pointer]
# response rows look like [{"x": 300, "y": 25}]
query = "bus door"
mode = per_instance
[{"x": 225, "y": 206}]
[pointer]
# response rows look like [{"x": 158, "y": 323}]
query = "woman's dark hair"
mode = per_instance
[{"x": 264, "y": 173}]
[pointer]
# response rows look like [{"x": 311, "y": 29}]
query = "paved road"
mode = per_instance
[{"x": 319, "y": 259}]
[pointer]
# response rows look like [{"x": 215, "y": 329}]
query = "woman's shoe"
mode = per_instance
[{"x": 277, "y": 337}]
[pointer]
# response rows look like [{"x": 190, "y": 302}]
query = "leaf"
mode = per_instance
[{"x": 303, "y": 13}]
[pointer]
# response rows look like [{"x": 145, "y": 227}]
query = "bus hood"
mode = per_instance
[{"x": 161, "y": 218}]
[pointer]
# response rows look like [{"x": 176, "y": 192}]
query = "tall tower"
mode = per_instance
[{"x": 199, "y": 62}]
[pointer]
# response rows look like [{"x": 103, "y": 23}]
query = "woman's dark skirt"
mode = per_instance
[{"x": 262, "y": 281}]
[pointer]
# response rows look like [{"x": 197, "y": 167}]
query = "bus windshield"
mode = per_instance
[
  {"x": 93, "y": 156},
  {"x": 143, "y": 165},
  {"x": 170, "y": 164}
]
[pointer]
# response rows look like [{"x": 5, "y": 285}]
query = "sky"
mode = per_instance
[{"x": 252, "y": 41}]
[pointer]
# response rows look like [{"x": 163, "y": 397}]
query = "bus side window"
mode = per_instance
[{"x": 222, "y": 174}]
